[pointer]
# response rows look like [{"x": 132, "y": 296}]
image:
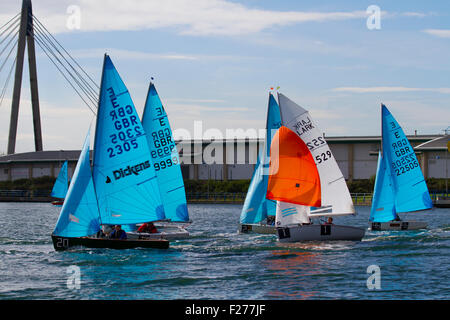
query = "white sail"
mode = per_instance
[
  {"x": 291, "y": 214},
  {"x": 336, "y": 199}
]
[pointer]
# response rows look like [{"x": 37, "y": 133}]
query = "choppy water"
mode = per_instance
[{"x": 218, "y": 263}]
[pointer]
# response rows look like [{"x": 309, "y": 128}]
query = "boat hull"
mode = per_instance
[
  {"x": 257, "y": 228},
  {"x": 178, "y": 234},
  {"x": 317, "y": 232},
  {"x": 397, "y": 225},
  {"x": 64, "y": 243},
  {"x": 58, "y": 203},
  {"x": 442, "y": 203}
]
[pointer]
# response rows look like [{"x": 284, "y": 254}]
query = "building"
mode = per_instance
[{"x": 235, "y": 159}]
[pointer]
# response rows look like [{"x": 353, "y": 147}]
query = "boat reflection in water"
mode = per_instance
[{"x": 294, "y": 268}]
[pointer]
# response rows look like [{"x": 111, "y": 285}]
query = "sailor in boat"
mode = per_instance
[
  {"x": 271, "y": 220},
  {"x": 105, "y": 231},
  {"x": 118, "y": 233},
  {"x": 148, "y": 227}
]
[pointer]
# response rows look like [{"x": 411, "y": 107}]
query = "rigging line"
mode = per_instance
[
  {"x": 7, "y": 57},
  {"x": 16, "y": 28},
  {"x": 17, "y": 19},
  {"x": 7, "y": 82},
  {"x": 38, "y": 42},
  {"x": 7, "y": 45},
  {"x": 71, "y": 75},
  {"x": 39, "y": 22},
  {"x": 42, "y": 43},
  {"x": 92, "y": 91},
  {"x": 88, "y": 89}
]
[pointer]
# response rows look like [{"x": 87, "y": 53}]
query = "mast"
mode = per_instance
[
  {"x": 26, "y": 36},
  {"x": 382, "y": 120},
  {"x": 281, "y": 110},
  {"x": 95, "y": 139}
]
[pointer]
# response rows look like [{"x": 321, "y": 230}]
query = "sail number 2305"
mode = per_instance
[{"x": 120, "y": 148}]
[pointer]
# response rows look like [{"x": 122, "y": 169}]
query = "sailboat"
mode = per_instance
[
  {"x": 121, "y": 188},
  {"x": 61, "y": 186},
  {"x": 399, "y": 184},
  {"x": 306, "y": 181},
  {"x": 166, "y": 162},
  {"x": 258, "y": 213}
]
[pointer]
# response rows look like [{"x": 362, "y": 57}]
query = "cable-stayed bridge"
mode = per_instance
[{"x": 26, "y": 30}]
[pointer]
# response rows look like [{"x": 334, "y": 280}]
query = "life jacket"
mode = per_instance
[
  {"x": 152, "y": 229},
  {"x": 148, "y": 228}
]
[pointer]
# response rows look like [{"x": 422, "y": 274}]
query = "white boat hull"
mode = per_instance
[
  {"x": 257, "y": 228},
  {"x": 168, "y": 233},
  {"x": 397, "y": 225},
  {"x": 317, "y": 232}
]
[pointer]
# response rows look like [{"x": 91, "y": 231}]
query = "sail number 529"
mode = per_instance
[{"x": 324, "y": 156}]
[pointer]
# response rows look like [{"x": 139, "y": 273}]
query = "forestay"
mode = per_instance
[
  {"x": 165, "y": 157},
  {"x": 335, "y": 197},
  {"x": 123, "y": 172}
]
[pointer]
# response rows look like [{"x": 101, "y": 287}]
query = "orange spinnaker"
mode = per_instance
[{"x": 293, "y": 175}]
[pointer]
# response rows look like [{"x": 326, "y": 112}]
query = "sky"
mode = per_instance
[{"x": 214, "y": 62}]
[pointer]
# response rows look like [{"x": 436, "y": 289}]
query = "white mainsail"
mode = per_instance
[{"x": 335, "y": 196}]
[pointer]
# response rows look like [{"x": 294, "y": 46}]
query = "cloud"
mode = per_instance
[
  {"x": 389, "y": 89},
  {"x": 130, "y": 54},
  {"x": 441, "y": 33},
  {"x": 141, "y": 55},
  {"x": 195, "y": 100},
  {"x": 188, "y": 17},
  {"x": 415, "y": 14}
]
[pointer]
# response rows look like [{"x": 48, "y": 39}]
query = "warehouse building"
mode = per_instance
[{"x": 236, "y": 159}]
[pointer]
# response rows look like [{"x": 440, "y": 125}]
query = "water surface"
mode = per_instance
[{"x": 218, "y": 263}]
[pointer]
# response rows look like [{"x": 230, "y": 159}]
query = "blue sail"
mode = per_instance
[
  {"x": 79, "y": 214},
  {"x": 123, "y": 173},
  {"x": 383, "y": 201},
  {"x": 61, "y": 184},
  {"x": 410, "y": 188},
  {"x": 165, "y": 157},
  {"x": 256, "y": 207}
]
